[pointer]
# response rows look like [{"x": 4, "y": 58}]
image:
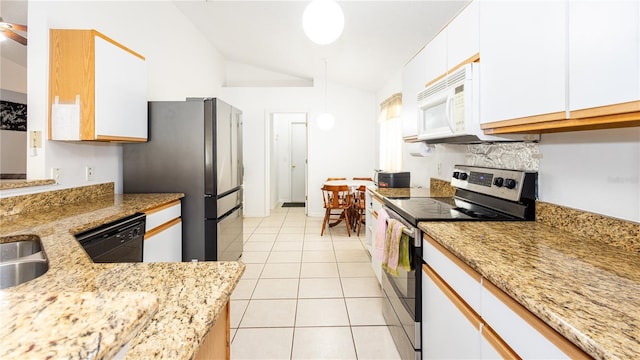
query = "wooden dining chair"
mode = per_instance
[
  {"x": 363, "y": 178},
  {"x": 360, "y": 206},
  {"x": 336, "y": 178},
  {"x": 338, "y": 201}
]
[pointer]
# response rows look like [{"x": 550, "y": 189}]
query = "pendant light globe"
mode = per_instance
[
  {"x": 323, "y": 21},
  {"x": 326, "y": 121}
]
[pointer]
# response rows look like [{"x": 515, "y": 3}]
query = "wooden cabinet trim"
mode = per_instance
[
  {"x": 411, "y": 139},
  {"x": 119, "y": 138},
  {"x": 461, "y": 264},
  {"x": 70, "y": 50},
  {"x": 106, "y": 38},
  {"x": 603, "y": 117},
  {"x": 627, "y": 107},
  {"x": 473, "y": 58},
  {"x": 217, "y": 343},
  {"x": 464, "y": 308},
  {"x": 498, "y": 343},
  {"x": 158, "y": 229},
  {"x": 162, "y": 207},
  {"x": 595, "y": 123},
  {"x": 560, "y": 115},
  {"x": 572, "y": 351}
]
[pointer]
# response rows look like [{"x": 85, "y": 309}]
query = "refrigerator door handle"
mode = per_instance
[{"x": 226, "y": 215}]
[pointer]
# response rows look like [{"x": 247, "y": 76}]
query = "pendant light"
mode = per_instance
[
  {"x": 323, "y": 21},
  {"x": 325, "y": 120}
]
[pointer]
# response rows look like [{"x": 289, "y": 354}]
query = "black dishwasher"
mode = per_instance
[{"x": 120, "y": 241}]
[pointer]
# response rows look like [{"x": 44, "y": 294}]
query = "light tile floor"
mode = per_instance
[{"x": 306, "y": 296}]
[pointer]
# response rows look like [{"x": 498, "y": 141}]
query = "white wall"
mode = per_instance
[
  {"x": 346, "y": 150},
  {"x": 596, "y": 171},
  {"x": 13, "y": 76},
  {"x": 13, "y": 144},
  {"x": 181, "y": 63}
]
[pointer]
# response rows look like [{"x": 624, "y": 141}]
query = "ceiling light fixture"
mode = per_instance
[
  {"x": 323, "y": 21},
  {"x": 325, "y": 120}
]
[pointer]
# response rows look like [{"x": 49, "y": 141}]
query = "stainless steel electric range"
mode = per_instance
[{"x": 482, "y": 194}]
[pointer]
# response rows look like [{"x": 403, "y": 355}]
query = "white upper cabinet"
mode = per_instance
[
  {"x": 413, "y": 80},
  {"x": 604, "y": 53},
  {"x": 463, "y": 36},
  {"x": 455, "y": 44},
  {"x": 100, "y": 86},
  {"x": 435, "y": 58},
  {"x": 523, "y": 65},
  {"x": 121, "y": 92}
]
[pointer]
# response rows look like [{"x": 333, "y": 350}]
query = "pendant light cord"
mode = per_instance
[{"x": 325, "y": 85}]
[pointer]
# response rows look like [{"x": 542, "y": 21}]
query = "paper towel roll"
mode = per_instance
[{"x": 420, "y": 149}]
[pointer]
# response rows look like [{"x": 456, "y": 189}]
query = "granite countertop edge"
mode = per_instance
[
  {"x": 164, "y": 311},
  {"x": 577, "y": 286}
]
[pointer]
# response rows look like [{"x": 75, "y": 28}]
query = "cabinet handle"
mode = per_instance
[
  {"x": 161, "y": 228},
  {"x": 498, "y": 344}
]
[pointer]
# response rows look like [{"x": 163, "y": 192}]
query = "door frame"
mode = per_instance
[
  {"x": 268, "y": 154},
  {"x": 306, "y": 158}
]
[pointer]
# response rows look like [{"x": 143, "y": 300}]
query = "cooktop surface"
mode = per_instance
[{"x": 442, "y": 209}]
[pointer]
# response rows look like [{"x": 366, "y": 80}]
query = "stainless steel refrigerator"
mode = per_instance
[{"x": 194, "y": 147}]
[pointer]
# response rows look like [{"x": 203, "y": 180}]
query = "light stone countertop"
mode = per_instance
[
  {"x": 584, "y": 288},
  {"x": 22, "y": 183},
  {"x": 81, "y": 309}
]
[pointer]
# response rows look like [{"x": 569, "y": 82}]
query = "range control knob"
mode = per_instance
[
  {"x": 463, "y": 176},
  {"x": 456, "y": 174},
  {"x": 509, "y": 183},
  {"x": 498, "y": 181}
]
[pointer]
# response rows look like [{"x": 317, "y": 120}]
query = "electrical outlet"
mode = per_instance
[
  {"x": 56, "y": 174},
  {"x": 88, "y": 173}
]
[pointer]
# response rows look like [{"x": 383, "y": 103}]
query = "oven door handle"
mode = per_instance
[{"x": 412, "y": 231}]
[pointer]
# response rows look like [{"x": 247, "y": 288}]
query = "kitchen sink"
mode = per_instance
[
  {"x": 19, "y": 249},
  {"x": 21, "y": 259},
  {"x": 16, "y": 273}
]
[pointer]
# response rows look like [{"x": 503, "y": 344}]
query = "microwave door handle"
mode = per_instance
[{"x": 449, "y": 111}]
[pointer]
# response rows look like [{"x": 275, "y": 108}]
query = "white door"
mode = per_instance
[{"x": 298, "y": 160}]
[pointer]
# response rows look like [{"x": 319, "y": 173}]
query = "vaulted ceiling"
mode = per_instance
[{"x": 379, "y": 36}]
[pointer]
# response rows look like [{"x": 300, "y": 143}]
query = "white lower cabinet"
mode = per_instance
[
  {"x": 447, "y": 331},
  {"x": 464, "y": 316},
  {"x": 373, "y": 205},
  {"x": 507, "y": 318},
  {"x": 163, "y": 236}
]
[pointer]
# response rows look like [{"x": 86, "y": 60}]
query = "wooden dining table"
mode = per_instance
[{"x": 353, "y": 185}]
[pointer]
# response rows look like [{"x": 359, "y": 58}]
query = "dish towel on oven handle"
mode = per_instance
[
  {"x": 396, "y": 249},
  {"x": 381, "y": 233}
]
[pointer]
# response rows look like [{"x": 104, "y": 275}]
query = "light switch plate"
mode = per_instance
[{"x": 36, "y": 139}]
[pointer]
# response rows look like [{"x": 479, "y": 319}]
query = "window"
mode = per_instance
[{"x": 391, "y": 133}]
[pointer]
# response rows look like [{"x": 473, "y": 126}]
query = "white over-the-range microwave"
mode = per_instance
[{"x": 448, "y": 111}]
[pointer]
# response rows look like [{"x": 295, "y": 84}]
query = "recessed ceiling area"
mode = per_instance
[{"x": 379, "y": 37}]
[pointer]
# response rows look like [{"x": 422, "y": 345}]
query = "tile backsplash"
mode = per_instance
[{"x": 509, "y": 155}]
